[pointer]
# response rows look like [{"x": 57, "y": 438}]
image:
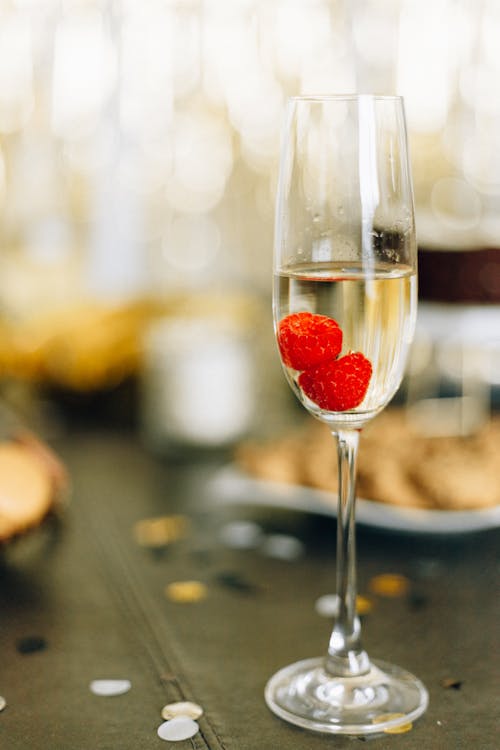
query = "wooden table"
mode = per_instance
[{"x": 97, "y": 598}]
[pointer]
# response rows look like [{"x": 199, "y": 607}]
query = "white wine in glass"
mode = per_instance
[{"x": 344, "y": 303}]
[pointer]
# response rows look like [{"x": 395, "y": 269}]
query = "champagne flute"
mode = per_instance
[{"x": 344, "y": 304}]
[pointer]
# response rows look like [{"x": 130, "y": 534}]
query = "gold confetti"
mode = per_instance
[
  {"x": 158, "y": 532},
  {"x": 400, "y": 729},
  {"x": 186, "y": 591},
  {"x": 391, "y": 585},
  {"x": 363, "y": 605}
]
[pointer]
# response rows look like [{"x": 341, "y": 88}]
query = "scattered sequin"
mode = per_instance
[
  {"x": 234, "y": 580},
  {"x": 177, "y": 729},
  {"x": 3, "y": 703},
  {"x": 417, "y": 601},
  {"x": 158, "y": 532},
  {"x": 450, "y": 682},
  {"x": 328, "y": 605},
  {"x": 283, "y": 547},
  {"x": 241, "y": 534},
  {"x": 186, "y": 591},
  {"x": 110, "y": 687},
  {"x": 391, "y": 585},
  {"x": 363, "y": 605},
  {"x": 181, "y": 708},
  {"x": 401, "y": 729},
  {"x": 30, "y": 644}
]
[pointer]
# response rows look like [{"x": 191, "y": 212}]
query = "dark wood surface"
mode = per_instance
[{"x": 97, "y": 598}]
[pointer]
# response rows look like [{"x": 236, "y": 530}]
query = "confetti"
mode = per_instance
[
  {"x": 30, "y": 644},
  {"x": 3, "y": 703},
  {"x": 391, "y": 585},
  {"x": 158, "y": 532},
  {"x": 363, "y": 605},
  {"x": 110, "y": 688},
  {"x": 181, "y": 708},
  {"x": 177, "y": 729},
  {"x": 328, "y": 605},
  {"x": 283, "y": 547},
  {"x": 449, "y": 682},
  {"x": 400, "y": 729},
  {"x": 236, "y": 581},
  {"x": 417, "y": 601},
  {"x": 186, "y": 591},
  {"x": 241, "y": 534}
]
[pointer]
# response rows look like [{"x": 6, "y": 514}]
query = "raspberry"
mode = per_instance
[
  {"x": 306, "y": 340},
  {"x": 338, "y": 385}
]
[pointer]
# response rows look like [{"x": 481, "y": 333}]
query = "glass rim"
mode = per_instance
[{"x": 343, "y": 97}]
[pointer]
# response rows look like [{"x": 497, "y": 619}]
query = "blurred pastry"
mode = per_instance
[{"x": 32, "y": 481}]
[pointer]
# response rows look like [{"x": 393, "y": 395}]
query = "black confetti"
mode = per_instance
[
  {"x": 30, "y": 644},
  {"x": 451, "y": 684},
  {"x": 235, "y": 581},
  {"x": 417, "y": 601},
  {"x": 368, "y": 737}
]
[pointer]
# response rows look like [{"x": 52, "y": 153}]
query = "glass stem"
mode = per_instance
[{"x": 346, "y": 657}]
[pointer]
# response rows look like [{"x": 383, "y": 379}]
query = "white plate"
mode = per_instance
[{"x": 229, "y": 486}]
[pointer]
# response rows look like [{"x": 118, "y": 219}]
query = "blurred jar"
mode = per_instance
[
  {"x": 453, "y": 375},
  {"x": 200, "y": 384}
]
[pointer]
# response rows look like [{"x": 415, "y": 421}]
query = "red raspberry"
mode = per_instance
[
  {"x": 338, "y": 385},
  {"x": 306, "y": 340}
]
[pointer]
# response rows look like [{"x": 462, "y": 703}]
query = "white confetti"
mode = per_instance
[
  {"x": 181, "y": 708},
  {"x": 3, "y": 703},
  {"x": 110, "y": 687},
  {"x": 327, "y": 605},
  {"x": 177, "y": 729},
  {"x": 241, "y": 534},
  {"x": 283, "y": 547}
]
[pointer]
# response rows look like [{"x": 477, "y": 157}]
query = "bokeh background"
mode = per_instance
[{"x": 139, "y": 144}]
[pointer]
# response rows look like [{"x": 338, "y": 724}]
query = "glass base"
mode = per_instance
[{"x": 383, "y": 699}]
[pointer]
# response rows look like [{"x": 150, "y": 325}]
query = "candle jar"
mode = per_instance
[{"x": 198, "y": 383}]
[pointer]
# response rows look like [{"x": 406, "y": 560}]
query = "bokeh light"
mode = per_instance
[{"x": 171, "y": 113}]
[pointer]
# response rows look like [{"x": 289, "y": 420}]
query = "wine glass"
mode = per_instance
[{"x": 344, "y": 304}]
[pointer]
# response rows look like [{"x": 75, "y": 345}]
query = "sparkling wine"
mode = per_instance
[{"x": 376, "y": 313}]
